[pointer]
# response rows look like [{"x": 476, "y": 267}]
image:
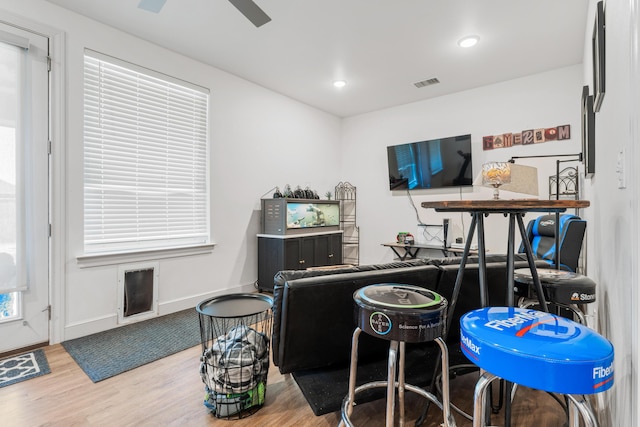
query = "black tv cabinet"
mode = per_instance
[{"x": 296, "y": 252}]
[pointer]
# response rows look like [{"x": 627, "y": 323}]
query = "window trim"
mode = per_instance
[{"x": 114, "y": 258}]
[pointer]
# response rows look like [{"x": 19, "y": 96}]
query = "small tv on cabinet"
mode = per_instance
[{"x": 434, "y": 163}]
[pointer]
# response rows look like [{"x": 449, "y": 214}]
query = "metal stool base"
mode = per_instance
[
  {"x": 580, "y": 315},
  {"x": 579, "y": 405},
  {"x": 392, "y": 385}
]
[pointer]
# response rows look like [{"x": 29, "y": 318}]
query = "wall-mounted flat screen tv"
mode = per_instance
[{"x": 435, "y": 163}]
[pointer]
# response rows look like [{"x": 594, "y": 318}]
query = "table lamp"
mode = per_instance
[{"x": 508, "y": 177}]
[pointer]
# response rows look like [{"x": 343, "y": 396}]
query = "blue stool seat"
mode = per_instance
[{"x": 538, "y": 350}]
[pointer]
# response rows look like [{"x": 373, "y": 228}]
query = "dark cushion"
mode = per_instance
[{"x": 314, "y": 313}]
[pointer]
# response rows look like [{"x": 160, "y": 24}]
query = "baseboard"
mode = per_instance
[
  {"x": 110, "y": 321},
  {"x": 90, "y": 326}
]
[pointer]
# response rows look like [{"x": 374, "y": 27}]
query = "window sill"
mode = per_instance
[{"x": 97, "y": 260}]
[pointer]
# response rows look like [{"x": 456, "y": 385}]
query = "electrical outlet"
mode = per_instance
[{"x": 620, "y": 169}]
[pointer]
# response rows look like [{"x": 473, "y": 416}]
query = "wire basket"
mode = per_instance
[{"x": 235, "y": 334}]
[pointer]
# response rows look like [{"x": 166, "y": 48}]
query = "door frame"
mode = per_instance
[
  {"x": 57, "y": 167},
  {"x": 57, "y": 186}
]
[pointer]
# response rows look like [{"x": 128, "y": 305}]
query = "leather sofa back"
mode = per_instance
[{"x": 314, "y": 313}]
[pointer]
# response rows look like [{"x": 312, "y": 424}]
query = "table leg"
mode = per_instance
[
  {"x": 557, "y": 233},
  {"x": 510, "y": 259},
  {"x": 452, "y": 304},
  {"x": 460, "y": 274},
  {"x": 412, "y": 254},
  {"x": 510, "y": 303},
  {"x": 401, "y": 257},
  {"x": 532, "y": 265},
  {"x": 482, "y": 263},
  {"x": 407, "y": 252}
]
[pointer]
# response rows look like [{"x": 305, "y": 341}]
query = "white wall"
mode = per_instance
[
  {"x": 542, "y": 100},
  {"x": 259, "y": 139},
  {"x": 613, "y": 218}
]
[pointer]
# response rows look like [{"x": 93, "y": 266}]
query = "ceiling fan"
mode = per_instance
[{"x": 247, "y": 7}]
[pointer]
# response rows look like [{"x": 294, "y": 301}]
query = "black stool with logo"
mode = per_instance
[
  {"x": 564, "y": 289},
  {"x": 400, "y": 314}
]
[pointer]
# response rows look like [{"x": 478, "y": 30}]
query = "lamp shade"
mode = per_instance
[
  {"x": 524, "y": 180},
  {"x": 496, "y": 173}
]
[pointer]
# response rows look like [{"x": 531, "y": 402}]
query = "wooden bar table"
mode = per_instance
[{"x": 515, "y": 209}]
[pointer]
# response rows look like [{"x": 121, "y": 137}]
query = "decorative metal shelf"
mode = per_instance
[
  {"x": 345, "y": 193},
  {"x": 565, "y": 185}
]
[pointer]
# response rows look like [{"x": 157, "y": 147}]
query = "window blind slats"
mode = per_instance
[
  {"x": 145, "y": 160},
  {"x": 152, "y": 147},
  {"x": 123, "y": 107}
]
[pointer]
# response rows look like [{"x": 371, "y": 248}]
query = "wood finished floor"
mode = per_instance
[{"x": 169, "y": 392}]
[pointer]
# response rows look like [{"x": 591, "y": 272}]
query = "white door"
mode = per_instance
[{"x": 24, "y": 189}]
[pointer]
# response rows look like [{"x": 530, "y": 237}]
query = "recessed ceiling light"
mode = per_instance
[
  {"x": 468, "y": 41},
  {"x": 339, "y": 83}
]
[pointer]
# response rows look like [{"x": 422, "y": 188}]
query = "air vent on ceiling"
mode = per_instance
[{"x": 427, "y": 82}]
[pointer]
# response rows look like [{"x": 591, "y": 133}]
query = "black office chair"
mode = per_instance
[{"x": 542, "y": 235}]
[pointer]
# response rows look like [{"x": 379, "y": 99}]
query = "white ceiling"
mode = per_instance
[{"x": 380, "y": 47}]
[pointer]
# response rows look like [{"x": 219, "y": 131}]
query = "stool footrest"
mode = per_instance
[{"x": 383, "y": 384}]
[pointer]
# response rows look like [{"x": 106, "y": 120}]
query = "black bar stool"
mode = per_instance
[
  {"x": 400, "y": 314},
  {"x": 563, "y": 288}
]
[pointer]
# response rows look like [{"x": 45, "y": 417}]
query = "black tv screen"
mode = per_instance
[{"x": 435, "y": 163}]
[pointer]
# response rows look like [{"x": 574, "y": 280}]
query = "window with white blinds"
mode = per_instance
[{"x": 145, "y": 158}]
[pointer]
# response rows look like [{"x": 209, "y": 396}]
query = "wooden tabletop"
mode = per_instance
[
  {"x": 504, "y": 205},
  {"x": 413, "y": 245}
]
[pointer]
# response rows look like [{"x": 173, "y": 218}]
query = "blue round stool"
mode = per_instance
[
  {"x": 537, "y": 350},
  {"x": 400, "y": 314}
]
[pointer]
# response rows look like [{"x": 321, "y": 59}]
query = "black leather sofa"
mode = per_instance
[{"x": 314, "y": 321}]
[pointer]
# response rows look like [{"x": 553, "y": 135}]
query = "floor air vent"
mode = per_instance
[
  {"x": 138, "y": 289},
  {"x": 427, "y": 82}
]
